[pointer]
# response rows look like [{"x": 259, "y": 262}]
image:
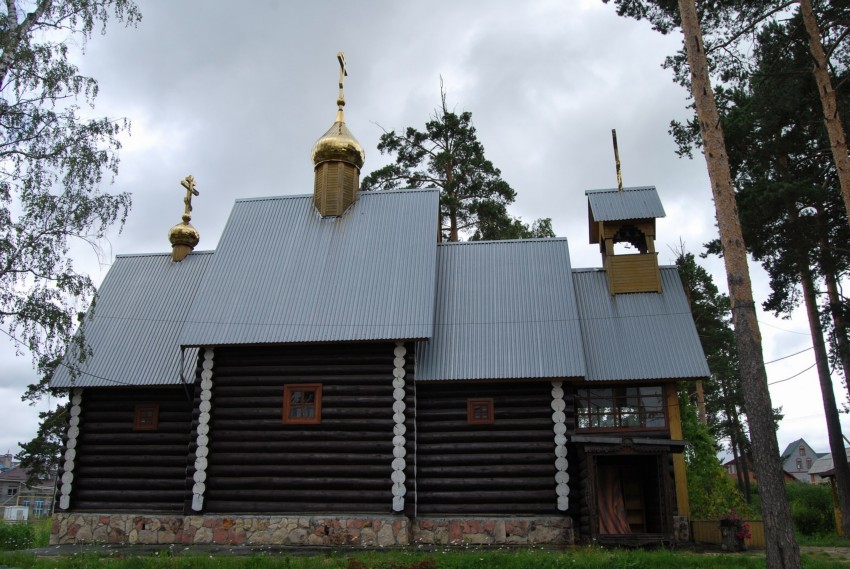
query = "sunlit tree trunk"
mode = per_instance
[
  {"x": 782, "y": 549},
  {"x": 834, "y": 127}
]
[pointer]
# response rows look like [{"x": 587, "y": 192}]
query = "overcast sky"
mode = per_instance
[{"x": 237, "y": 98}]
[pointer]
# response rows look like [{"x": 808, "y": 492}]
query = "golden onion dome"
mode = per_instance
[
  {"x": 338, "y": 144},
  {"x": 184, "y": 234}
]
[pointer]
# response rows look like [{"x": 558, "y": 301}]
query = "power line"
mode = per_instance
[
  {"x": 70, "y": 368},
  {"x": 789, "y": 355},
  {"x": 793, "y": 376},
  {"x": 783, "y": 329}
]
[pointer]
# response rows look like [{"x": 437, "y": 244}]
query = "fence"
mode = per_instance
[{"x": 708, "y": 531}]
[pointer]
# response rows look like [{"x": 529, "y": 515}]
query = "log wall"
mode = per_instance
[
  {"x": 504, "y": 468},
  {"x": 258, "y": 464},
  {"x": 117, "y": 468}
]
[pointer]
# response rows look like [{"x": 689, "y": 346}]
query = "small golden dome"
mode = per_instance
[
  {"x": 184, "y": 234},
  {"x": 338, "y": 144}
]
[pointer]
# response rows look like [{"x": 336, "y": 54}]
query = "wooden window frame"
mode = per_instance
[
  {"x": 472, "y": 402},
  {"x": 616, "y": 409},
  {"x": 138, "y": 425},
  {"x": 316, "y": 388}
]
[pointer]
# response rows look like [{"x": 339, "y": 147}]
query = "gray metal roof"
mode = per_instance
[
  {"x": 632, "y": 203},
  {"x": 285, "y": 274},
  {"x": 133, "y": 329},
  {"x": 637, "y": 336},
  {"x": 825, "y": 465},
  {"x": 505, "y": 310}
]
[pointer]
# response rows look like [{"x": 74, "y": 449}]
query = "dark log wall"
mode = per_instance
[
  {"x": 504, "y": 468},
  {"x": 121, "y": 469},
  {"x": 256, "y": 463}
]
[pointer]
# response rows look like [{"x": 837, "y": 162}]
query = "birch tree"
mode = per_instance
[{"x": 52, "y": 166}]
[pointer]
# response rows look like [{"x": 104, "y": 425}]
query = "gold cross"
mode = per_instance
[
  {"x": 343, "y": 73},
  {"x": 189, "y": 184}
]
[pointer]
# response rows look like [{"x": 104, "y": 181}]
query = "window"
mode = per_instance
[
  {"x": 302, "y": 404},
  {"x": 621, "y": 408},
  {"x": 808, "y": 464},
  {"x": 802, "y": 450},
  {"x": 799, "y": 464},
  {"x": 11, "y": 491},
  {"x": 147, "y": 417},
  {"x": 38, "y": 509},
  {"x": 479, "y": 411}
]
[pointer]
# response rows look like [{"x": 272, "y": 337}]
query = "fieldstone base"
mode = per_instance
[
  {"x": 681, "y": 529},
  {"x": 493, "y": 531},
  {"x": 314, "y": 531},
  {"x": 375, "y": 531}
]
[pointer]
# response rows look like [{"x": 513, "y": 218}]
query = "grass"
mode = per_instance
[
  {"x": 590, "y": 558},
  {"x": 24, "y": 535},
  {"x": 828, "y": 540}
]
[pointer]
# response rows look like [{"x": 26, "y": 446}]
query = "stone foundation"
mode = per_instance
[
  {"x": 681, "y": 529},
  {"x": 492, "y": 531},
  {"x": 314, "y": 531},
  {"x": 317, "y": 531}
]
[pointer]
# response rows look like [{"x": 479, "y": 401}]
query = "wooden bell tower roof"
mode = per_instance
[{"x": 613, "y": 205}]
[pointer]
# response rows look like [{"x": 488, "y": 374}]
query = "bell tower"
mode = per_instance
[{"x": 626, "y": 215}]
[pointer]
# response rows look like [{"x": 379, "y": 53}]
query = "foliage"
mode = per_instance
[
  {"x": 24, "y": 535},
  {"x": 811, "y": 509},
  {"x": 41, "y": 455},
  {"x": 52, "y": 163},
  {"x": 710, "y": 491},
  {"x": 448, "y": 155}
]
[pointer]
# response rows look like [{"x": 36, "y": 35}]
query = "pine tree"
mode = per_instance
[{"x": 449, "y": 156}]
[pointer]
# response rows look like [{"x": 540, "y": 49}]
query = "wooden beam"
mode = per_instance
[{"x": 674, "y": 418}]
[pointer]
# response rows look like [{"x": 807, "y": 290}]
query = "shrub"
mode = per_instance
[{"x": 811, "y": 508}]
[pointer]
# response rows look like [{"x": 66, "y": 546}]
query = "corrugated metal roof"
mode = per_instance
[
  {"x": 631, "y": 203},
  {"x": 637, "y": 336},
  {"x": 138, "y": 314},
  {"x": 505, "y": 310},
  {"x": 285, "y": 274}
]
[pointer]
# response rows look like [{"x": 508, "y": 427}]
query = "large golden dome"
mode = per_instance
[{"x": 338, "y": 144}]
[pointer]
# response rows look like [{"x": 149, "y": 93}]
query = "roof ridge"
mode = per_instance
[
  {"x": 503, "y": 241},
  {"x": 625, "y": 189},
  {"x": 122, "y": 255}
]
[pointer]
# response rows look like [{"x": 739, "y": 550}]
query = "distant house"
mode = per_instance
[
  {"x": 14, "y": 492},
  {"x": 731, "y": 467},
  {"x": 798, "y": 458},
  {"x": 823, "y": 469}
]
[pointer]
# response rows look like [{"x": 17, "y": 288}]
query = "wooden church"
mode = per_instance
[{"x": 334, "y": 374}]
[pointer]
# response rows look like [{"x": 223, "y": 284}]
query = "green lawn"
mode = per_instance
[
  {"x": 22, "y": 536},
  {"x": 453, "y": 559}
]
